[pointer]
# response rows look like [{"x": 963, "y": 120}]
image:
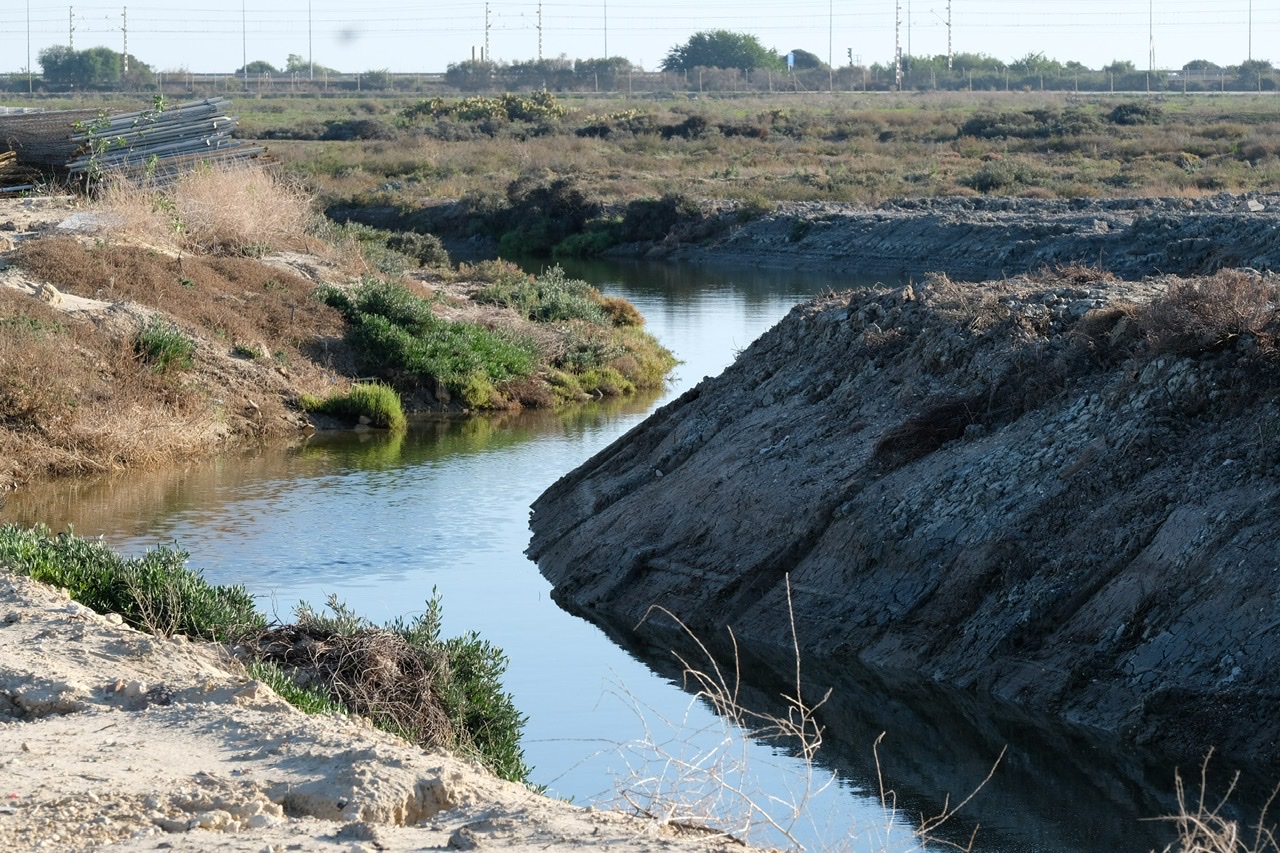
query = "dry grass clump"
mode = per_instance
[
  {"x": 75, "y": 401},
  {"x": 373, "y": 672},
  {"x": 1200, "y": 315},
  {"x": 232, "y": 209},
  {"x": 1203, "y": 827}
]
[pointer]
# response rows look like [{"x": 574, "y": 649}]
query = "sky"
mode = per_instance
[{"x": 210, "y": 36}]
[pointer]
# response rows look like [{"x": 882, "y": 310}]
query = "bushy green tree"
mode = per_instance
[
  {"x": 606, "y": 72},
  {"x": 298, "y": 64},
  {"x": 472, "y": 75},
  {"x": 722, "y": 49},
  {"x": 258, "y": 66},
  {"x": 96, "y": 67},
  {"x": 805, "y": 60},
  {"x": 1255, "y": 74}
]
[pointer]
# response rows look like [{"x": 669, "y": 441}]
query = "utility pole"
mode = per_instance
[
  {"x": 606, "y": 29},
  {"x": 949, "y": 53},
  {"x": 1151, "y": 35},
  {"x": 124, "y": 16},
  {"x": 311, "y": 57},
  {"x": 897, "y": 44},
  {"x": 71, "y": 27},
  {"x": 1250, "y": 30},
  {"x": 486, "y": 33},
  {"x": 909, "y": 53},
  {"x": 539, "y": 30},
  {"x": 244, "y": 44},
  {"x": 30, "y": 85},
  {"x": 831, "y": 66}
]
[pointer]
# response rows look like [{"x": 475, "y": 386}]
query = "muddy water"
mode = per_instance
[{"x": 379, "y": 522}]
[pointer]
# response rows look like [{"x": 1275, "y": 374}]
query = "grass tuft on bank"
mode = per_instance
[
  {"x": 376, "y": 403},
  {"x": 404, "y": 676}
]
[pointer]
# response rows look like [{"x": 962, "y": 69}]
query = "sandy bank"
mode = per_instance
[{"x": 115, "y": 739}]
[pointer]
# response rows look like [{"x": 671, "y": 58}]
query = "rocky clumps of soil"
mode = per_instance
[
  {"x": 974, "y": 239},
  {"x": 1062, "y": 490}
]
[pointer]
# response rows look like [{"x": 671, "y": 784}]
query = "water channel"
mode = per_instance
[{"x": 379, "y": 522}]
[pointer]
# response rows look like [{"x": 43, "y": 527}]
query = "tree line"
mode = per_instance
[{"x": 715, "y": 60}]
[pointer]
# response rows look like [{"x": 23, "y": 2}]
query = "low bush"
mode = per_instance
[
  {"x": 548, "y": 298},
  {"x": 395, "y": 332},
  {"x": 155, "y": 592},
  {"x": 406, "y": 678},
  {"x": 378, "y": 403},
  {"x": 1136, "y": 113},
  {"x": 653, "y": 219},
  {"x": 164, "y": 346},
  {"x": 426, "y": 249}
]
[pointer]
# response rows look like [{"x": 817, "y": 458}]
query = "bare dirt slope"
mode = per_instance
[
  {"x": 1060, "y": 490},
  {"x": 114, "y": 739}
]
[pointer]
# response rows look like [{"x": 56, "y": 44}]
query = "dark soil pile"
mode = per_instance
[{"x": 1062, "y": 490}]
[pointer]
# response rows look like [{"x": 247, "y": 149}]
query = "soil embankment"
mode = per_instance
[
  {"x": 1061, "y": 490},
  {"x": 988, "y": 237}
]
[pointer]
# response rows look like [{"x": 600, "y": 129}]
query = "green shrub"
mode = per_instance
[
  {"x": 305, "y": 698},
  {"x": 426, "y": 249},
  {"x": 647, "y": 219},
  {"x": 155, "y": 592},
  {"x": 1135, "y": 113},
  {"x": 548, "y": 298},
  {"x": 395, "y": 331},
  {"x": 373, "y": 400},
  {"x": 163, "y": 345},
  {"x": 407, "y": 679},
  {"x": 1001, "y": 176},
  {"x": 600, "y": 236}
]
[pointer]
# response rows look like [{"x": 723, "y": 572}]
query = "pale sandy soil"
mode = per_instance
[{"x": 118, "y": 740}]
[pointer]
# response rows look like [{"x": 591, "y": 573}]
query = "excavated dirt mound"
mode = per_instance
[
  {"x": 1062, "y": 490},
  {"x": 988, "y": 237}
]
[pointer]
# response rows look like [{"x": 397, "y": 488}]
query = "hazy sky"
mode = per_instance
[{"x": 417, "y": 35}]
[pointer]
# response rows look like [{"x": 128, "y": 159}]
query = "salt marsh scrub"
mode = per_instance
[{"x": 1060, "y": 490}]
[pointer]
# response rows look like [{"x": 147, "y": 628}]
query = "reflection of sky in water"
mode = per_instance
[{"x": 380, "y": 521}]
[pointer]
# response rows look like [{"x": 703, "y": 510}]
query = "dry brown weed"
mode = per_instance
[{"x": 239, "y": 208}]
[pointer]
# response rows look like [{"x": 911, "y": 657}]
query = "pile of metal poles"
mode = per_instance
[{"x": 149, "y": 145}]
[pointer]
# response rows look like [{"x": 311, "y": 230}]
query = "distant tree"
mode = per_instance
[
  {"x": 721, "y": 49},
  {"x": 376, "y": 78},
  {"x": 608, "y": 72},
  {"x": 97, "y": 67},
  {"x": 258, "y": 66},
  {"x": 1200, "y": 65},
  {"x": 297, "y": 64},
  {"x": 554, "y": 74},
  {"x": 1120, "y": 67},
  {"x": 1254, "y": 74},
  {"x": 471, "y": 75},
  {"x": 976, "y": 63},
  {"x": 805, "y": 60},
  {"x": 1035, "y": 64}
]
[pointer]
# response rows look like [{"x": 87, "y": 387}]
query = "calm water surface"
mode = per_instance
[{"x": 379, "y": 522}]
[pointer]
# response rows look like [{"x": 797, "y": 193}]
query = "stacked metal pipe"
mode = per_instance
[{"x": 153, "y": 145}]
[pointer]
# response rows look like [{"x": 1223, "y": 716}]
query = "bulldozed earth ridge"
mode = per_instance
[
  {"x": 989, "y": 237},
  {"x": 1059, "y": 490}
]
